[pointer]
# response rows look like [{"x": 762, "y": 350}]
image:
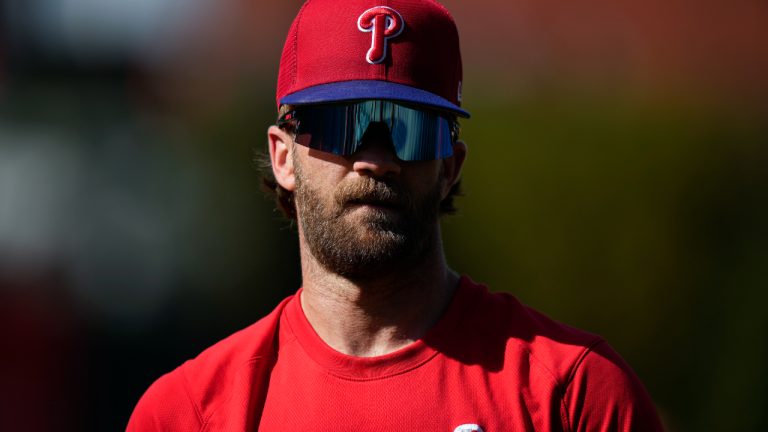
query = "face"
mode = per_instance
[{"x": 368, "y": 213}]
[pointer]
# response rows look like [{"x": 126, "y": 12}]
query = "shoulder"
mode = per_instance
[
  {"x": 603, "y": 393},
  {"x": 526, "y": 334},
  {"x": 186, "y": 397},
  {"x": 597, "y": 389}
]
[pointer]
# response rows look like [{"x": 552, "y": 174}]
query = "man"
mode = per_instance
[{"x": 383, "y": 335}]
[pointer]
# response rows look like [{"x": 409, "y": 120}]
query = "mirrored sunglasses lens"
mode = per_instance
[
  {"x": 339, "y": 129},
  {"x": 421, "y": 135},
  {"x": 326, "y": 128}
]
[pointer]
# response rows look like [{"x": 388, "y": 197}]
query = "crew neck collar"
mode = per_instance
[{"x": 397, "y": 362}]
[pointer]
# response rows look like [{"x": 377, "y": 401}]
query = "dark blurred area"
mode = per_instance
[{"x": 617, "y": 180}]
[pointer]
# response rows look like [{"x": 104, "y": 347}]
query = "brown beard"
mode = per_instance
[{"x": 396, "y": 234}]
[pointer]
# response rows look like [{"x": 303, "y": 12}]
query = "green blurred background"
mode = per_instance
[{"x": 617, "y": 180}]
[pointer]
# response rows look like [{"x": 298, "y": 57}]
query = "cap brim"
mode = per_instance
[{"x": 369, "y": 89}]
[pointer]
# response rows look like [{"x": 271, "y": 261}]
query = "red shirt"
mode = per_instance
[{"x": 489, "y": 364}]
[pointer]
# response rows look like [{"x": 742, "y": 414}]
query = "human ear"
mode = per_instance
[
  {"x": 452, "y": 166},
  {"x": 280, "y": 146}
]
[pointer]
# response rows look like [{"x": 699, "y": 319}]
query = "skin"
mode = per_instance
[{"x": 382, "y": 314}]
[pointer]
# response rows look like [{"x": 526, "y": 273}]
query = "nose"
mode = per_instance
[{"x": 376, "y": 157}]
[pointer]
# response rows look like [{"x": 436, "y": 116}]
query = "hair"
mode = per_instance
[{"x": 284, "y": 198}]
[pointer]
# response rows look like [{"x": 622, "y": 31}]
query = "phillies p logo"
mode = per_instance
[{"x": 383, "y": 23}]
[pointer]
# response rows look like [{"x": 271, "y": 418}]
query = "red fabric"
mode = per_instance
[
  {"x": 490, "y": 361},
  {"x": 325, "y": 45},
  {"x": 222, "y": 389}
]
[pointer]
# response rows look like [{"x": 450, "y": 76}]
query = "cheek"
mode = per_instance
[
  {"x": 318, "y": 171},
  {"x": 424, "y": 177}
]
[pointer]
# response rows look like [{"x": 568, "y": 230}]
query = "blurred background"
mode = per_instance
[{"x": 617, "y": 180}]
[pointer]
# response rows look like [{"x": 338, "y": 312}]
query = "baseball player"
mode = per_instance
[{"x": 383, "y": 335}]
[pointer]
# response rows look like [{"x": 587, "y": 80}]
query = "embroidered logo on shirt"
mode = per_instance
[{"x": 468, "y": 428}]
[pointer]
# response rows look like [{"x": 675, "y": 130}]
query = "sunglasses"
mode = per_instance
[{"x": 339, "y": 128}]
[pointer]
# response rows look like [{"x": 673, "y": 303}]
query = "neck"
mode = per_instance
[{"x": 379, "y": 315}]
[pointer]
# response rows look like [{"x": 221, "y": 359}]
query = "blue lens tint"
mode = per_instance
[{"x": 339, "y": 128}]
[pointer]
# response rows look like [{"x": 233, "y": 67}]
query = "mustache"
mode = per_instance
[{"x": 368, "y": 190}]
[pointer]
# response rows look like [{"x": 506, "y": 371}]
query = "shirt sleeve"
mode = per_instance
[
  {"x": 604, "y": 394},
  {"x": 165, "y": 406}
]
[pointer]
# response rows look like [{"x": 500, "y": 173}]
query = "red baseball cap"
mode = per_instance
[{"x": 401, "y": 50}]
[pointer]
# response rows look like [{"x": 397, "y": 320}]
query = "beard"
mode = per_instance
[{"x": 367, "y": 227}]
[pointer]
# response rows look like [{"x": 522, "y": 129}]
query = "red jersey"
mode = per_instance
[{"x": 490, "y": 364}]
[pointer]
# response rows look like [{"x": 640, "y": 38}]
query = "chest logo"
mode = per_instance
[
  {"x": 384, "y": 23},
  {"x": 468, "y": 428}
]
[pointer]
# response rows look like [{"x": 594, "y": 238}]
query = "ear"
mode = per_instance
[
  {"x": 280, "y": 146},
  {"x": 452, "y": 166}
]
